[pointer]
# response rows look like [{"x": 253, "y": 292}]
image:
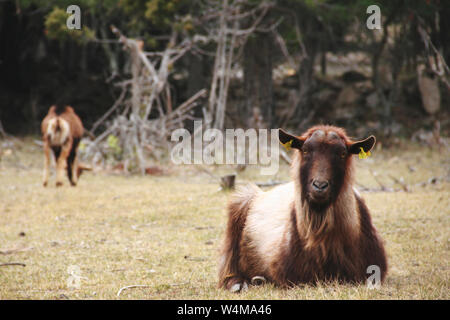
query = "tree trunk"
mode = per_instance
[
  {"x": 135, "y": 86},
  {"x": 258, "y": 85},
  {"x": 323, "y": 63},
  {"x": 303, "y": 112},
  {"x": 196, "y": 81}
]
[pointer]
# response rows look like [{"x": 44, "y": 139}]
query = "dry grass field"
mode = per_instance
[{"x": 164, "y": 232}]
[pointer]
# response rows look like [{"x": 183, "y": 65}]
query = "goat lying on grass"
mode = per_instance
[{"x": 314, "y": 228}]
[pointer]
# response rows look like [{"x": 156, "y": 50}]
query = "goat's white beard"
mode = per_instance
[{"x": 314, "y": 227}]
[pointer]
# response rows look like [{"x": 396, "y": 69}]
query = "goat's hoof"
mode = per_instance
[
  {"x": 237, "y": 286},
  {"x": 44, "y": 183},
  {"x": 59, "y": 184},
  {"x": 73, "y": 184}
]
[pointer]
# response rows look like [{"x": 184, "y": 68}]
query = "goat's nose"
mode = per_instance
[{"x": 320, "y": 185}]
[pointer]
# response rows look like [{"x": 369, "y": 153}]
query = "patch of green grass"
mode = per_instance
[{"x": 165, "y": 232}]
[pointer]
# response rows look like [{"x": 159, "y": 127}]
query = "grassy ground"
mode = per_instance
[{"x": 164, "y": 232}]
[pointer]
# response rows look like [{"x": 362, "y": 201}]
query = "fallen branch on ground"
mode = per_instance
[
  {"x": 404, "y": 186},
  {"x": 363, "y": 188},
  {"x": 212, "y": 175},
  {"x": 9, "y": 251},
  {"x": 12, "y": 264},
  {"x": 269, "y": 183},
  {"x": 132, "y": 286},
  {"x": 374, "y": 175}
]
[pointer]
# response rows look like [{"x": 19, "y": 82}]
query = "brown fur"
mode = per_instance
[
  {"x": 61, "y": 131},
  {"x": 285, "y": 237}
]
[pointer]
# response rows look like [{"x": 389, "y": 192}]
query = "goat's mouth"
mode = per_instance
[
  {"x": 319, "y": 198},
  {"x": 317, "y": 203}
]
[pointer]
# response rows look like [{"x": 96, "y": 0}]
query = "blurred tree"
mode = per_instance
[
  {"x": 56, "y": 28},
  {"x": 258, "y": 84},
  {"x": 39, "y": 56},
  {"x": 311, "y": 29}
]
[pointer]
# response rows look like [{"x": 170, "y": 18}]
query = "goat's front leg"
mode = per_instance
[
  {"x": 74, "y": 170},
  {"x": 230, "y": 276},
  {"x": 61, "y": 163},
  {"x": 46, "y": 162}
]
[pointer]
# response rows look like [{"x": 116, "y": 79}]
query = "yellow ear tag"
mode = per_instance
[
  {"x": 288, "y": 145},
  {"x": 363, "y": 155}
]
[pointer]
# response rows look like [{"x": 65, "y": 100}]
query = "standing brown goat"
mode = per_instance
[
  {"x": 314, "y": 228},
  {"x": 61, "y": 132}
]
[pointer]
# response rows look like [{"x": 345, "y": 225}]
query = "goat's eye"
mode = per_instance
[
  {"x": 343, "y": 154},
  {"x": 305, "y": 152}
]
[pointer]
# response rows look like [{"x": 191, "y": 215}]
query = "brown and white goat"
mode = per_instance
[
  {"x": 314, "y": 228},
  {"x": 61, "y": 132}
]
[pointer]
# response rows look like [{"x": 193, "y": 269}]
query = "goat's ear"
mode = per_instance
[
  {"x": 285, "y": 137},
  {"x": 367, "y": 144}
]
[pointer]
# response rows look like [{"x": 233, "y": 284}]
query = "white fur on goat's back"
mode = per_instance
[{"x": 267, "y": 221}]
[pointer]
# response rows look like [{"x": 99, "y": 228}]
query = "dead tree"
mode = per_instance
[
  {"x": 137, "y": 133},
  {"x": 228, "y": 35}
]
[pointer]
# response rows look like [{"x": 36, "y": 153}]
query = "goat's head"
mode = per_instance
[
  {"x": 325, "y": 159},
  {"x": 58, "y": 131}
]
